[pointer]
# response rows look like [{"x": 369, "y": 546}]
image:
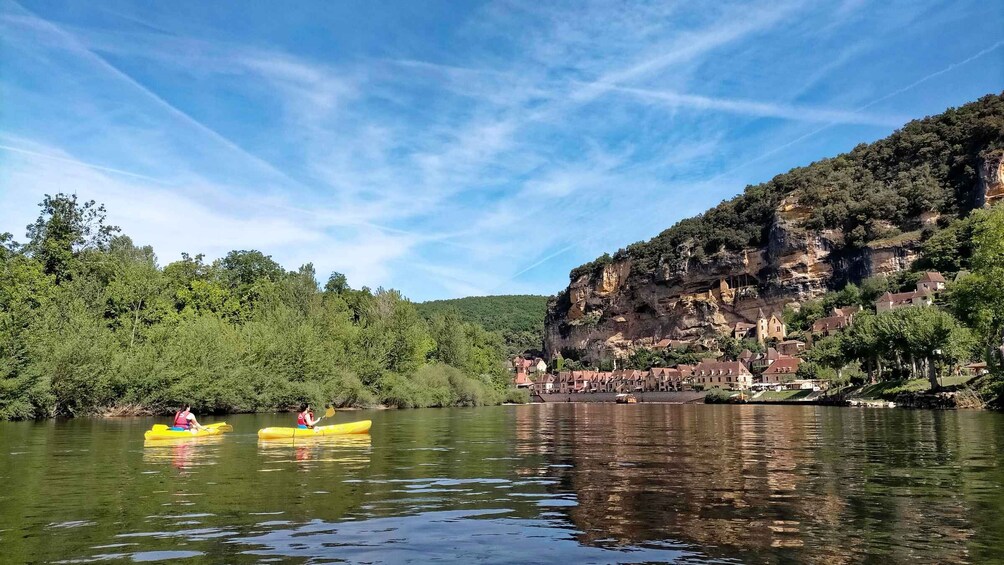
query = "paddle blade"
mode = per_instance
[{"x": 329, "y": 412}]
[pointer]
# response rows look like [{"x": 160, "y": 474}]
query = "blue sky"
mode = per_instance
[{"x": 454, "y": 148}]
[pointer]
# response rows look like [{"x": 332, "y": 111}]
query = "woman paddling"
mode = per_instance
[
  {"x": 305, "y": 419},
  {"x": 184, "y": 420}
]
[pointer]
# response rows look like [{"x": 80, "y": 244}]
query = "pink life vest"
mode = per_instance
[
  {"x": 181, "y": 419},
  {"x": 301, "y": 419}
]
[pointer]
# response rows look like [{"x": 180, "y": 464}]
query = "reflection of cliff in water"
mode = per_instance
[{"x": 809, "y": 483}]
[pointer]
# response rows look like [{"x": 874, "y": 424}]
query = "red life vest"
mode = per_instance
[
  {"x": 181, "y": 419},
  {"x": 301, "y": 419}
]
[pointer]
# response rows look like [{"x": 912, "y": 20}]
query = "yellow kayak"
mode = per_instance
[
  {"x": 360, "y": 427},
  {"x": 160, "y": 432}
]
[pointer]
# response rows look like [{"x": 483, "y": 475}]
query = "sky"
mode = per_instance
[{"x": 453, "y": 148}]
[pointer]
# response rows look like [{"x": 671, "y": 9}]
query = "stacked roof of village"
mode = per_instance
[{"x": 776, "y": 366}]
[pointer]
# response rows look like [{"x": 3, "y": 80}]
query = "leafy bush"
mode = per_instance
[{"x": 717, "y": 396}]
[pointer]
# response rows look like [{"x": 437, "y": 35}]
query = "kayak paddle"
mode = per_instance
[{"x": 328, "y": 412}]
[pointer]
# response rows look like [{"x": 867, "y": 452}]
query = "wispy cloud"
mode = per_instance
[
  {"x": 487, "y": 156},
  {"x": 759, "y": 109}
]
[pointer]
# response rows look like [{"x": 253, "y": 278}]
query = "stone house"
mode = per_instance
[
  {"x": 763, "y": 360},
  {"x": 772, "y": 327},
  {"x": 686, "y": 376},
  {"x": 790, "y": 347},
  {"x": 931, "y": 282},
  {"x": 731, "y": 375},
  {"x": 521, "y": 380},
  {"x": 742, "y": 330},
  {"x": 781, "y": 370},
  {"x": 664, "y": 379},
  {"x": 746, "y": 357},
  {"x": 545, "y": 384},
  {"x": 892, "y": 301},
  {"x": 830, "y": 325}
]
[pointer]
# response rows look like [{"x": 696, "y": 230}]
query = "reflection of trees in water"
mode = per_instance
[{"x": 807, "y": 483}]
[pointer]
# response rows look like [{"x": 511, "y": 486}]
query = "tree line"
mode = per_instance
[{"x": 89, "y": 322}]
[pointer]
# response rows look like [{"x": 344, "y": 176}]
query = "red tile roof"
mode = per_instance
[
  {"x": 932, "y": 276},
  {"x": 784, "y": 365},
  {"x": 721, "y": 368},
  {"x": 830, "y": 323},
  {"x": 900, "y": 297}
]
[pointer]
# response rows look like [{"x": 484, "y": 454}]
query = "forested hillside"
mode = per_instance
[
  {"x": 89, "y": 322},
  {"x": 518, "y": 318},
  {"x": 875, "y": 191}
]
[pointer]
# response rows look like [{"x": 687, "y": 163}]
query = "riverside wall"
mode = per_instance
[{"x": 652, "y": 397}]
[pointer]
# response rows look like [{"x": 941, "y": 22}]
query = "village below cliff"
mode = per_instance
[{"x": 878, "y": 268}]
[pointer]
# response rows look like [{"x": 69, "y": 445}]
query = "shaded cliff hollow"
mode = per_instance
[{"x": 802, "y": 233}]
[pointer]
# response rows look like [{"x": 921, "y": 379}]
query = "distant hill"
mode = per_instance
[{"x": 519, "y": 318}]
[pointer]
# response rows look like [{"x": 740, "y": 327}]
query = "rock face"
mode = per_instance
[
  {"x": 616, "y": 309},
  {"x": 692, "y": 282},
  {"x": 991, "y": 189}
]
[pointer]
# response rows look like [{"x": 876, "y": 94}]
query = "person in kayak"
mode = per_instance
[
  {"x": 184, "y": 420},
  {"x": 305, "y": 419}
]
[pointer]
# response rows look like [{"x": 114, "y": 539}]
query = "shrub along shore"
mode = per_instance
[{"x": 91, "y": 324}]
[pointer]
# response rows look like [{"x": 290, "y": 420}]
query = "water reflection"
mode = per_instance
[
  {"x": 529, "y": 484},
  {"x": 760, "y": 481},
  {"x": 183, "y": 453},
  {"x": 350, "y": 451}
]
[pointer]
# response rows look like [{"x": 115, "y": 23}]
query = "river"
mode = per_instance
[{"x": 569, "y": 483}]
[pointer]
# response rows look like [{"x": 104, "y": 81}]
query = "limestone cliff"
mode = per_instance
[
  {"x": 795, "y": 237},
  {"x": 618, "y": 309},
  {"x": 991, "y": 189}
]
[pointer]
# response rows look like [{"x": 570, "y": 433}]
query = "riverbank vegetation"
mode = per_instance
[{"x": 90, "y": 322}]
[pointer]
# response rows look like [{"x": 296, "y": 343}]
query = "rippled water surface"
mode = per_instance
[{"x": 569, "y": 483}]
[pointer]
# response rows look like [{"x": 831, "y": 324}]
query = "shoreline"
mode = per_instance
[{"x": 941, "y": 400}]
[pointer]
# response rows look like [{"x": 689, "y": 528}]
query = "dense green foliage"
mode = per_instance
[
  {"x": 717, "y": 396},
  {"x": 978, "y": 297},
  {"x": 922, "y": 342},
  {"x": 519, "y": 318},
  {"x": 644, "y": 359},
  {"x": 733, "y": 348},
  {"x": 898, "y": 344},
  {"x": 89, "y": 321},
  {"x": 873, "y": 192},
  {"x": 799, "y": 321}
]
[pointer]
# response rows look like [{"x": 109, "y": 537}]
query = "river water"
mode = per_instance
[{"x": 570, "y": 483}]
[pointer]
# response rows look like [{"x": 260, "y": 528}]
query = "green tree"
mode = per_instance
[
  {"x": 978, "y": 298},
  {"x": 337, "y": 284},
  {"x": 64, "y": 228}
]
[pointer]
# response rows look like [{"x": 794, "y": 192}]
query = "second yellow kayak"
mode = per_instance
[{"x": 360, "y": 427}]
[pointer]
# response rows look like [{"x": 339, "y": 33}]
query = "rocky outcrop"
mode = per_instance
[
  {"x": 695, "y": 280},
  {"x": 991, "y": 189},
  {"x": 617, "y": 308}
]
